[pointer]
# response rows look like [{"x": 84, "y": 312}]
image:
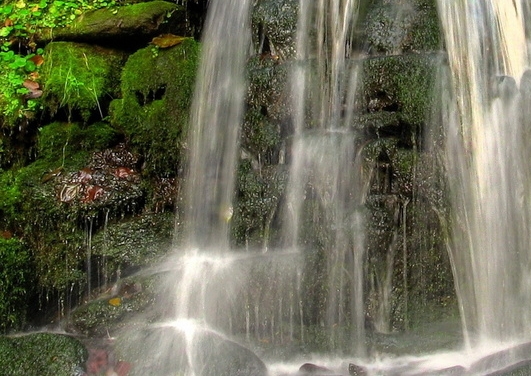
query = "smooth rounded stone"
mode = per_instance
[
  {"x": 504, "y": 87},
  {"x": 315, "y": 370},
  {"x": 503, "y": 362},
  {"x": 167, "y": 349},
  {"x": 355, "y": 370}
]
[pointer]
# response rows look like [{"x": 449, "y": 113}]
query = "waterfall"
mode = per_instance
[
  {"x": 487, "y": 161},
  {"x": 216, "y": 118},
  {"x": 325, "y": 171}
]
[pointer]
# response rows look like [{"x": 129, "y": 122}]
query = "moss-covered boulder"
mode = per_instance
[
  {"x": 395, "y": 27},
  {"x": 42, "y": 354},
  {"x": 137, "y": 242},
  {"x": 140, "y": 20},
  {"x": 80, "y": 78},
  {"x": 157, "y": 86}
]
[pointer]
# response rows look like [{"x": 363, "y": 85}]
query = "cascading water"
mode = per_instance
[
  {"x": 324, "y": 162},
  {"x": 487, "y": 156},
  {"x": 259, "y": 297}
]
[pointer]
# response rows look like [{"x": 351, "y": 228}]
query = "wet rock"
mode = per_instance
[
  {"x": 43, "y": 354},
  {"x": 355, "y": 370},
  {"x": 313, "y": 369},
  {"x": 166, "y": 349},
  {"x": 402, "y": 85},
  {"x": 504, "y": 87},
  {"x": 274, "y": 24},
  {"x": 115, "y": 308},
  {"x": 136, "y": 242},
  {"x": 394, "y": 27}
]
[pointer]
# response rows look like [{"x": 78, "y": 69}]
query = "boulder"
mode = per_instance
[{"x": 167, "y": 349}]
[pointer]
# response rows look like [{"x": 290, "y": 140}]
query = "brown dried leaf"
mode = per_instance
[
  {"x": 31, "y": 85},
  {"x": 167, "y": 40},
  {"x": 37, "y": 60}
]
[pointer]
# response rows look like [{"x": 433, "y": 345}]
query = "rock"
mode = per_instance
[
  {"x": 117, "y": 23},
  {"x": 355, "y": 370},
  {"x": 166, "y": 349},
  {"x": 394, "y": 27},
  {"x": 157, "y": 87},
  {"x": 43, "y": 354},
  {"x": 274, "y": 24},
  {"x": 313, "y": 369}
]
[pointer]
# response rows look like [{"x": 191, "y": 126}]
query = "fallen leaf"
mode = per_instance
[
  {"x": 167, "y": 40},
  {"x": 8, "y": 23},
  {"x": 37, "y": 60},
  {"x": 115, "y": 302},
  {"x": 30, "y": 85}
]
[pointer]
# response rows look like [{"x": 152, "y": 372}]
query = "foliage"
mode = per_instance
[
  {"x": 19, "y": 21},
  {"x": 15, "y": 275},
  {"x": 78, "y": 77}
]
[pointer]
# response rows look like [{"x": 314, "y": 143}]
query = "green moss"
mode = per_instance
[
  {"x": 405, "y": 82},
  {"x": 68, "y": 144},
  {"x": 79, "y": 77},
  {"x": 157, "y": 87},
  {"x": 133, "y": 19},
  {"x": 42, "y": 354},
  {"x": 15, "y": 283}
]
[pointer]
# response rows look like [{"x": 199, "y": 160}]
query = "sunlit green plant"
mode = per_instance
[{"x": 19, "y": 21}]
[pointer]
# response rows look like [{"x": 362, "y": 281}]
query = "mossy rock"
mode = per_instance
[
  {"x": 42, "y": 354},
  {"x": 401, "y": 27},
  {"x": 402, "y": 84},
  {"x": 137, "y": 242},
  {"x": 259, "y": 192},
  {"x": 129, "y": 301},
  {"x": 69, "y": 144},
  {"x": 274, "y": 24},
  {"x": 80, "y": 78},
  {"x": 117, "y": 23},
  {"x": 157, "y": 88}
]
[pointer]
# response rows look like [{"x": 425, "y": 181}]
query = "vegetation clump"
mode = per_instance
[
  {"x": 20, "y": 55},
  {"x": 79, "y": 77},
  {"x": 43, "y": 354}
]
